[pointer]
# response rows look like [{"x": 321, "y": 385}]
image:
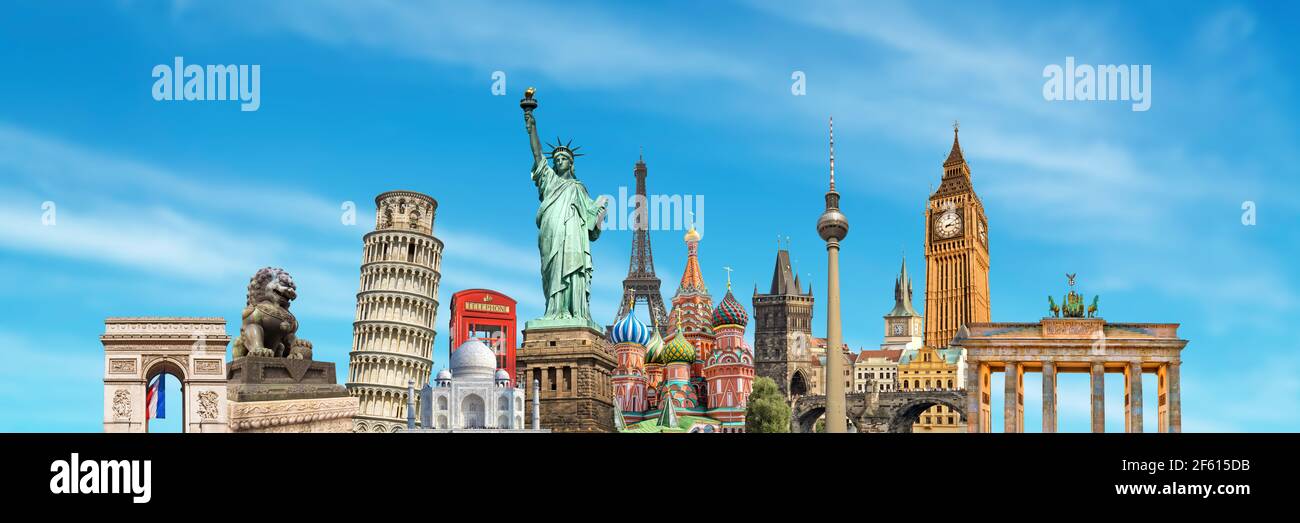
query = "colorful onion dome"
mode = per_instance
[
  {"x": 730, "y": 312},
  {"x": 654, "y": 349},
  {"x": 629, "y": 329},
  {"x": 691, "y": 235},
  {"x": 679, "y": 349}
]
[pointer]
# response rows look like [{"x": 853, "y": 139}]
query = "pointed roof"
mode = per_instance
[
  {"x": 784, "y": 280},
  {"x": 956, "y": 172},
  {"x": 954, "y": 156},
  {"x": 619, "y": 422},
  {"x": 691, "y": 277},
  {"x": 903, "y": 294},
  {"x": 668, "y": 418}
]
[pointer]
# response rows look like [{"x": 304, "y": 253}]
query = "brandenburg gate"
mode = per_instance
[{"x": 1071, "y": 344}]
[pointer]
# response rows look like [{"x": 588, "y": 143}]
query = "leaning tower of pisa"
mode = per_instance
[{"x": 392, "y": 338}]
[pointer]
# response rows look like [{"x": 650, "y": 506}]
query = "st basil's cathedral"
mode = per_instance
[{"x": 696, "y": 380}]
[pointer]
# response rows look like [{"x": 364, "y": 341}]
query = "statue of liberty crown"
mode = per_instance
[{"x": 562, "y": 147}]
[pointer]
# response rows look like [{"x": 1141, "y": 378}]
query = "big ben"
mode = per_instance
[{"x": 956, "y": 253}]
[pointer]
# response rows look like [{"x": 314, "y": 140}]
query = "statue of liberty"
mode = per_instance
[{"x": 568, "y": 220}]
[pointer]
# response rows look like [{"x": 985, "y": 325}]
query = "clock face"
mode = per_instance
[
  {"x": 898, "y": 329},
  {"x": 983, "y": 234},
  {"x": 948, "y": 225}
]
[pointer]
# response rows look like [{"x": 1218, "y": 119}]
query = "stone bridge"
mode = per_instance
[{"x": 879, "y": 411}]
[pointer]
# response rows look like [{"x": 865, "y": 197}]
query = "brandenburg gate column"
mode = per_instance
[
  {"x": 1020, "y": 398},
  {"x": 1162, "y": 398},
  {"x": 974, "y": 394},
  {"x": 1012, "y": 409},
  {"x": 1049, "y": 397},
  {"x": 986, "y": 399},
  {"x": 1133, "y": 397},
  {"x": 1173, "y": 395},
  {"x": 1098, "y": 375}
]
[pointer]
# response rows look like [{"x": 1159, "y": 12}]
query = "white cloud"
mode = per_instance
[
  {"x": 152, "y": 239},
  {"x": 566, "y": 43},
  {"x": 51, "y": 167}
]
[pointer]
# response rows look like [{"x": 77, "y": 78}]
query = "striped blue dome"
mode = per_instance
[{"x": 630, "y": 330}]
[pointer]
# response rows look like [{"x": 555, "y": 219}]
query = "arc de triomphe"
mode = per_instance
[{"x": 192, "y": 349}]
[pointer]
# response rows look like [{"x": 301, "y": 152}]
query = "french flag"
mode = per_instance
[{"x": 155, "y": 399}]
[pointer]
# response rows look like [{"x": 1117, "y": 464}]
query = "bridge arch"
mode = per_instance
[
  {"x": 908, "y": 412},
  {"x": 894, "y": 411}
]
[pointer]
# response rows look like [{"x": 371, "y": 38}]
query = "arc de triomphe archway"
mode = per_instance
[{"x": 138, "y": 349}]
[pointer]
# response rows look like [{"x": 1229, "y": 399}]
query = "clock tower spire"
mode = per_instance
[
  {"x": 903, "y": 325},
  {"x": 956, "y": 252}
]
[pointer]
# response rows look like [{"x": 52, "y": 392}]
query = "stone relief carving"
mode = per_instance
[
  {"x": 322, "y": 415},
  {"x": 207, "y": 366},
  {"x": 1067, "y": 328},
  {"x": 208, "y": 405},
  {"x": 117, "y": 366},
  {"x": 122, "y": 404}
]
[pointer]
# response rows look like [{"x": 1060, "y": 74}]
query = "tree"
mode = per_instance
[{"x": 767, "y": 410}]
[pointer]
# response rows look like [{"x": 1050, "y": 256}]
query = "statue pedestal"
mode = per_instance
[
  {"x": 286, "y": 395},
  {"x": 544, "y": 324},
  {"x": 573, "y": 365}
]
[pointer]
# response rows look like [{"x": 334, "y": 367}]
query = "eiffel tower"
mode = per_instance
[{"x": 641, "y": 282}]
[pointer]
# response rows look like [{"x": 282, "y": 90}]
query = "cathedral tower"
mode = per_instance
[
  {"x": 730, "y": 370},
  {"x": 783, "y": 330},
  {"x": 692, "y": 311},
  {"x": 392, "y": 338},
  {"x": 903, "y": 325},
  {"x": 956, "y": 253}
]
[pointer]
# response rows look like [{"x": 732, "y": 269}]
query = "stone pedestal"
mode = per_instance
[
  {"x": 572, "y": 366},
  {"x": 286, "y": 395}
]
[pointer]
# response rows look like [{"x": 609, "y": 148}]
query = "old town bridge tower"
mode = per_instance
[{"x": 783, "y": 330}]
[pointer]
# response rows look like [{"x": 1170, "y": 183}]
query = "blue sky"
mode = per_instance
[{"x": 167, "y": 208}]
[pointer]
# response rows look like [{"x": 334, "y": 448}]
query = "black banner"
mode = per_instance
[{"x": 525, "y": 473}]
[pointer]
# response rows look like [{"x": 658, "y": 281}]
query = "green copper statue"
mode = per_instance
[
  {"x": 1072, "y": 303},
  {"x": 568, "y": 220}
]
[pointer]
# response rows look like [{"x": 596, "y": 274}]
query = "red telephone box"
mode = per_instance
[{"x": 488, "y": 316}]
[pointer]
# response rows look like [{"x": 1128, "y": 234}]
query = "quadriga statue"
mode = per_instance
[{"x": 268, "y": 328}]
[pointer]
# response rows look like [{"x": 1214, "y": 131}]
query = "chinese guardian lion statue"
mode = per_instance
[{"x": 268, "y": 328}]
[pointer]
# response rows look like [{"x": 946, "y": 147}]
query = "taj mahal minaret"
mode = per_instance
[{"x": 397, "y": 306}]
